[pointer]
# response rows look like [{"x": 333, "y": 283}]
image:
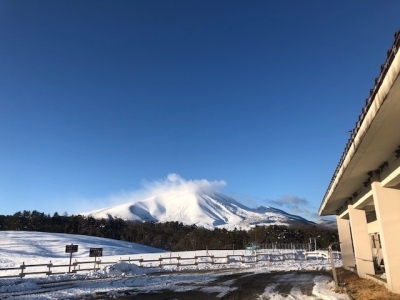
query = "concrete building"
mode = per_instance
[{"x": 364, "y": 192}]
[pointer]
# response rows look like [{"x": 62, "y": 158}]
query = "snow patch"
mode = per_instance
[{"x": 123, "y": 268}]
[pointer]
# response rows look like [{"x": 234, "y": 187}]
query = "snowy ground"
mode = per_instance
[{"x": 121, "y": 278}]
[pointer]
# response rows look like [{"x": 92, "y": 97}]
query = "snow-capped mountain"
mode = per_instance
[
  {"x": 207, "y": 210},
  {"x": 328, "y": 223}
]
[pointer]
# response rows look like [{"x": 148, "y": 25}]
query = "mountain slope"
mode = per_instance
[{"x": 207, "y": 210}]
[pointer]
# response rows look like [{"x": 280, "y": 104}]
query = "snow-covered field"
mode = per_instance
[{"x": 120, "y": 277}]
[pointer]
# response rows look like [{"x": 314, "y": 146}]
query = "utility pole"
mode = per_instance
[{"x": 315, "y": 243}]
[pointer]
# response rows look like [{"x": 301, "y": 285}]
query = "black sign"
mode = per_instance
[
  {"x": 96, "y": 252},
  {"x": 71, "y": 248}
]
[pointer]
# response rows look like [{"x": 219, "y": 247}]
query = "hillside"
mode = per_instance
[{"x": 34, "y": 245}]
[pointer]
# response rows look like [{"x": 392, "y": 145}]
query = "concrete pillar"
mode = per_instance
[
  {"x": 387, "y": 208},
  {"x": 361, "y": 242},
  {"x": 346, "y": 244}
]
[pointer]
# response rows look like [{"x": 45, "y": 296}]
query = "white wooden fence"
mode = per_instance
[{"x": 178, "y": 261}]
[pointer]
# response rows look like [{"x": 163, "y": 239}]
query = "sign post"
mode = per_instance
[
  {"x": 333, "y": 264},
  {"x": 95, "y": 252},
  {"x": 70, "y": 249}
]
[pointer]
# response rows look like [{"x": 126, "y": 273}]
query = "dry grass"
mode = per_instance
[{"x": 363, "y": 289}]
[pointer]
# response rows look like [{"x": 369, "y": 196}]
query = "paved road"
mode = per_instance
[
  {"x": 293, "y": 285},
  {"x": 192, "y": 285}
]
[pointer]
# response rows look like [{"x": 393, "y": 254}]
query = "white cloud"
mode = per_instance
[
  {"x": 290, "y": 201},
  {"x": 172, "y": 182},
  {"x": 176, "y": 182},
  {"x": 295, "y": 205}
]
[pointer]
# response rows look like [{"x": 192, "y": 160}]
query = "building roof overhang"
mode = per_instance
[{"x": 375, "y": 138}]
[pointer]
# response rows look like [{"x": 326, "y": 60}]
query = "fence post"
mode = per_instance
[
  {"x": 49, "y": 266},
  {"x": 330, "y": 254},
  {"x": 75, "y": 264},
  {"x": 22, "y": 270}
]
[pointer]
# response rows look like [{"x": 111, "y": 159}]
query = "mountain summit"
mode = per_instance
[{"x": 208, "y": 210}]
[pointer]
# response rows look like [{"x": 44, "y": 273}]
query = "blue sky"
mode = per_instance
[{"x": 98, "y": 97}]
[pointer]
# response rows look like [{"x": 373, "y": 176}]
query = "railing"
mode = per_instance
[
  {"x": 178, "y": 261},
  {"x": 289, "y": 246}
]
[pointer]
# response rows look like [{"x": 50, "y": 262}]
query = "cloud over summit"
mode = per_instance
[
  {"x": 172, "y": 182},
  {"x": 175, "y": 182}
]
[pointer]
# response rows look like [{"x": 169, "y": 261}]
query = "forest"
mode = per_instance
[{"x": 170, "y": 236}]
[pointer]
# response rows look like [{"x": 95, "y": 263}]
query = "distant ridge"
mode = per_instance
[
  {"x": 327, "y": 223},
  {"x": 208, "y": 210}
]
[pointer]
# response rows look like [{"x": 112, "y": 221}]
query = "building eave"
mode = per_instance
[{"x": 368, "y": 145}]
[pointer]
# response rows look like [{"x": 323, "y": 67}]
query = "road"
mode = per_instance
[
  {"x": 292, "y": 285},
  {"x": 189, "y": 285}
]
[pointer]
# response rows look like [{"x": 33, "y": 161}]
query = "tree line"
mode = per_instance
[{"x": 170, "y": 236}]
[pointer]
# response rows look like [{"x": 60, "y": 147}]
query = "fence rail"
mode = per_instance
[
  {"x": 288, "y": 246},
  {"x": 178, "y": 261}
]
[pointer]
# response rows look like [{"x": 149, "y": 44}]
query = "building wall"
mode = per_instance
[
  {"x": 373, "y": 227},
  {"x": 355, "y": 232},
  {"x": 387, "y": 207},
  {"x": 365, "y": 188},
  {"x": 346, "y": 243},
  {"x": 361, "y": 242}
]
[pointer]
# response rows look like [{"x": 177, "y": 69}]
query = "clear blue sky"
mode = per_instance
[{"x": 97, "y": 96}]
